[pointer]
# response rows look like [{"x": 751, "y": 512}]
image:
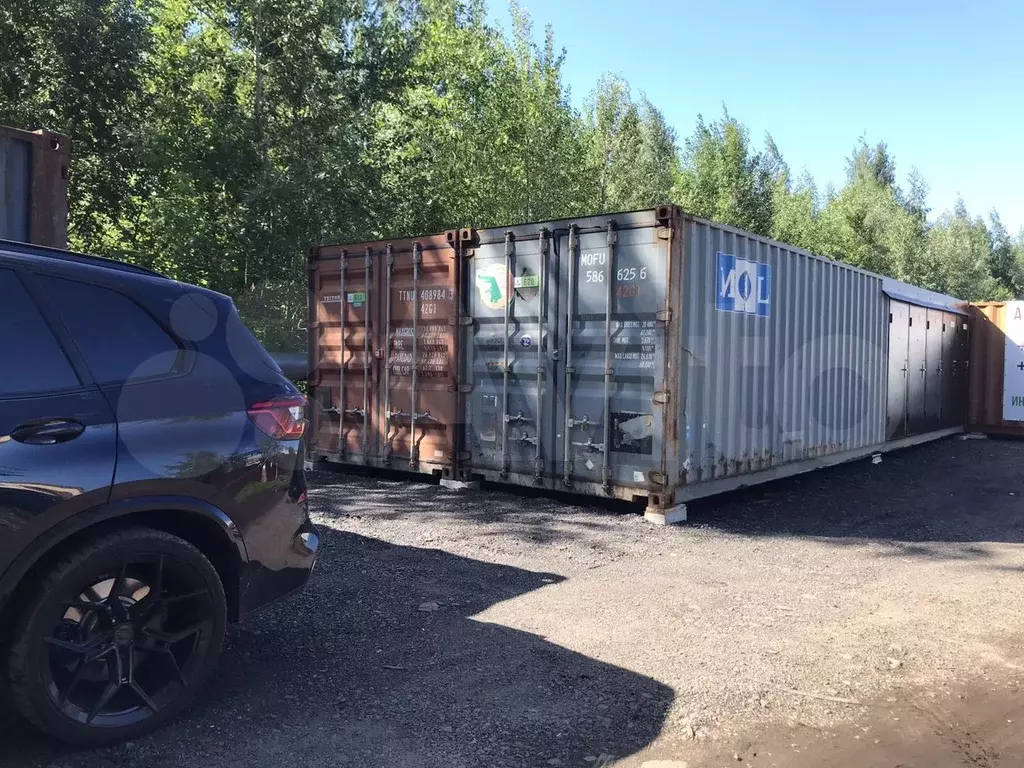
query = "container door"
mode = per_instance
[
  {"x": 949, "y": 391},
  {"x": 509, "y": 354},
  {"x": 961, "y": 355},
  {"x": 15, "y": 188},
  {"x": 917, "y": 370},
  {"x": 896, "y": 408},
  {"x": 615, "y": 283},
  {"x": 417, "y": 418},
  {"x": 343, "y": 371},
  {"x": 934, "y": 322}
]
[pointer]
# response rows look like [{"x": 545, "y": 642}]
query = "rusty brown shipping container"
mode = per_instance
[
  {"x": 34, "y": 187},
  {"x": 374, "y": 309},
  {"x": 996, "y": 391}
]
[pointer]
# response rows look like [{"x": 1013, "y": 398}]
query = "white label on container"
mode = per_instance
[
  {"x": 638, "y": 477},
  {"x": 438, "y": 454},
  {"x": 1013, "y": 362},
  {"x": 588, "y": 464}
]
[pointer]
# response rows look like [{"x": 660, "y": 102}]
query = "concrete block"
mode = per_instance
[
  {"x": 670, "y": 516},
  {"x": 460, "y": 485}
]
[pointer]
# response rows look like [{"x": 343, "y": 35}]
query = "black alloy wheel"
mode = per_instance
[{"x": 121, "y": 636}]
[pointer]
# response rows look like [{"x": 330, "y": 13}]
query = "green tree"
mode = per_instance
[
  {"x": 632, "y": 149},
  {"x": 259, "y": 154},
  {"x": 484, "y": 134},
  {"x": 866, "y": 224},
  {"x": 723, "y": 179},
  {"x": 77, "y": 67},
  {"x": 1007, "y": 257},
  {"x": 959, "y": 248},
  {"x": 795, "y": 214}
]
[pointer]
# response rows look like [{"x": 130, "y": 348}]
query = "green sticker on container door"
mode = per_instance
[
  {"x": 356, "y": 299},
  {"x": 526, "y": 285},
  {"x": 527, "y": 281}
]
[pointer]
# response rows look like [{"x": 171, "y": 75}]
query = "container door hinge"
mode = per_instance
[
  {"x": 465, "y": 456},
  {"x": 657, "y": 478},
  {"x": 663, "y": 316},
  {"x": 664, "y": 233},
  {"x": 662, "y": 398},
  {"x": 464, "y": 389},
  {"x": 465, "y": 320}
]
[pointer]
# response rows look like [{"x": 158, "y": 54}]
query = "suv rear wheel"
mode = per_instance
[{"x": 118, "y": 639}]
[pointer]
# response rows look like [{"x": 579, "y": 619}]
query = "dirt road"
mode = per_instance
[{"x": 860, "y": 616}]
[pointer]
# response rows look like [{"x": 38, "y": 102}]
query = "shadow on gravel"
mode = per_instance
[
  {"x": 379, "y": 663},
  {"x": 949, "y": 492},
  {"x": 938, "y": 500}
]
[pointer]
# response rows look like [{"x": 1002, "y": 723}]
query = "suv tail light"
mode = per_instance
[{"x": 283, "y": 418}]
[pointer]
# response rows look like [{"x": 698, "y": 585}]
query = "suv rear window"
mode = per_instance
[
  {"x": 114, "y": 334},
  {"x": 31, "y": 358}
]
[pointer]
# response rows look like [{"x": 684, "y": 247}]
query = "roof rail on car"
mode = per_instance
[{"x": 31, "y": 249}]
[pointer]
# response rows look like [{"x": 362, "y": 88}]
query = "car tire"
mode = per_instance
[{"x": 138, "y": 612}]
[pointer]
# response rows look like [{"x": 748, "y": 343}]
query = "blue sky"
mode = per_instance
[{"x": 941, "y": 82}]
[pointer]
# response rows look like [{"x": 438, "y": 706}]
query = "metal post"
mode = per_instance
[
  {"x": 390, "y": 265},
  {"x": 509, "y": 254},
  {"x": 343, "y": 264},
  {"x": 366, "y": 353},
  {"x": 569, "y": 370},
  {"x": 609, "y": 372},
  {"x": 538, "y": 459},
  {"x": 417, "y": 259}
]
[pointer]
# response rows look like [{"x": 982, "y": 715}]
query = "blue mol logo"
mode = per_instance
[{"x": 743, "y": 286}]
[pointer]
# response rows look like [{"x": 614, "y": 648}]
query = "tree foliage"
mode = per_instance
[
  {"x": 723, "y": 179},
  {"x": 216, "y": 139}
]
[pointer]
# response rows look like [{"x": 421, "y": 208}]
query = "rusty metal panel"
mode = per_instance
[
  {"x": 375, "y": 308},
  {"x": 343, "y": 339},
  {"x": 783, "y": 355},
  {"x": 34, "y": 187},
  {"x": 996, "y": 372},
  {"x": 417, "y": 416},
  {"x": 896, "y": 402}
]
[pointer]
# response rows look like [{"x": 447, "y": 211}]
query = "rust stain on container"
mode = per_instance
[
  {"x": 382, "y": 350},
  {"x": 996, "y": 388},
  {"x": 34, "y": 186}
]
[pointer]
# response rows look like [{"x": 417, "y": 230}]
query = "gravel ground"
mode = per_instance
[{"x": 863, "y": 615}]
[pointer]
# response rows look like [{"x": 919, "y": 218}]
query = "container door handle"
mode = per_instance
[{"x": 47, "y": 432}]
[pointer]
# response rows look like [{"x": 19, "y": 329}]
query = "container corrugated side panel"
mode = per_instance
[{"x": 804, "y": 381}]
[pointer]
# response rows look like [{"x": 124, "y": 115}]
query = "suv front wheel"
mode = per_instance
[{"x": 121, "y": 634}]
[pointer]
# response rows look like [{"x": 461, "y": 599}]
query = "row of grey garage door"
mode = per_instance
[{"x": 928, "y": 356}]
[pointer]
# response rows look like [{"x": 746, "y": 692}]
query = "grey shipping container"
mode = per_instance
[
  {"x": 653, "y": 356},
  {"x": 34, "y": 187}
]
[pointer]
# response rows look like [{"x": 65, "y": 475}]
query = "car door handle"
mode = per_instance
[{"x": 48, "y": 432}]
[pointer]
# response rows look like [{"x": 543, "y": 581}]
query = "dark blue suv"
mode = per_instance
[{"x": 151, "y": 490}]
